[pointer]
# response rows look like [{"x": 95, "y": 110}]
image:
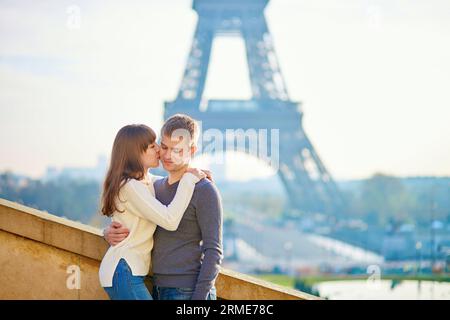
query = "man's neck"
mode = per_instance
[{"x": 175, "y": 176}]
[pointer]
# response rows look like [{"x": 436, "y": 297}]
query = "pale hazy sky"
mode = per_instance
[{"x": 373, "y": 76}]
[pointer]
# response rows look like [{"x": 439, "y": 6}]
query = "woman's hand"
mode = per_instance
[
  {"x": 208, "y": 174},
  {"x": 197, "y": 172}
]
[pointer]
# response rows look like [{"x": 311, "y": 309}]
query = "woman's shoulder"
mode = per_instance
[
  {"x": 130, "y": 185},
  {"x": 138, "y": 186}
]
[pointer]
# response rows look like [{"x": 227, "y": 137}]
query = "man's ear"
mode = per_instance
[{"x": 194, "y": 149}]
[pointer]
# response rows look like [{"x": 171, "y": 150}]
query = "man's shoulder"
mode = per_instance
[
  {"x": 205, "y": 184},
  {"x": 205, "y": 189}
]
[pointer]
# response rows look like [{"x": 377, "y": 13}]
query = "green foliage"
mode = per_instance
[
  {"x": 386, "y": 199},
  {"x": 75, "y": 199}
]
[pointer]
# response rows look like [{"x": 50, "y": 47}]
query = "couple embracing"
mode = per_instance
[{"x": 170, "y": 226}]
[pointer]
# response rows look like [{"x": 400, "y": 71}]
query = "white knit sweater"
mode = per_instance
[{"x": 142, "y": 212}]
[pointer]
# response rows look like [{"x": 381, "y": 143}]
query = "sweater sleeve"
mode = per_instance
[
  {"x": 209, "y": 216},
  {"x": 144, "y": 204}
]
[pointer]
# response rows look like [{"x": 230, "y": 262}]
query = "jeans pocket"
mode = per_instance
[{"x": 137, "y": 279}]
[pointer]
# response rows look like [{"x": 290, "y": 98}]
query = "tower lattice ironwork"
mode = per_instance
[{"x": 309, "y": 186}]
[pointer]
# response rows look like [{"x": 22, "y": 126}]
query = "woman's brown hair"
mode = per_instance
[{"x": 125, "y": 164}]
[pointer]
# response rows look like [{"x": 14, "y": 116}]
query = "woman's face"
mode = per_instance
[{"x": 150, "y": 157}]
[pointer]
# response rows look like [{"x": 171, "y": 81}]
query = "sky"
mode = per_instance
[{"x": 373, "y": 78}]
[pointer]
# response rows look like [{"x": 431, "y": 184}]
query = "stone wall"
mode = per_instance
[{"x": 43, "y": 256}]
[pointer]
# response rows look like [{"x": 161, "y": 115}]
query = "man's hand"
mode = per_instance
[{"x": 115, "y": 233}]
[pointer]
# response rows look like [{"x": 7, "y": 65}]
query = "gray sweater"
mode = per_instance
[{"x": 190, "y": 257}]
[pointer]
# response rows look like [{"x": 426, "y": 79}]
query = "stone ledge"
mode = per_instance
[
  {"x": 233, "y": 285},
  {"x": 52, "y": 230},
  {"x": 86, "y": 241}
]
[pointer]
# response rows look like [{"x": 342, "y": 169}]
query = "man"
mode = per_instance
[{"x": 185, "y": 262}]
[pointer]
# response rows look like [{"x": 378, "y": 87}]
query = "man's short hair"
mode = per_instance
[{"x": 181, "y": 121}]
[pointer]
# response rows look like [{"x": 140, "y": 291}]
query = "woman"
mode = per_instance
[{"x": 129, "y": 198}]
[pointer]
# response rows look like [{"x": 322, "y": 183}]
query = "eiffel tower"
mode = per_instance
[{"x": 309, "y": 186}]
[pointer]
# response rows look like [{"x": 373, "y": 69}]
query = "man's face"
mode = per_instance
[{"x": 176, "y": 153}]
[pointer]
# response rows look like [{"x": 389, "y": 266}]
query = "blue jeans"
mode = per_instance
[
  {"x": 126, "y": 286},
  {"x": 164, "y": 293}
]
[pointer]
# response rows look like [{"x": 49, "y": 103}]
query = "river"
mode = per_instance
[{"x": 384, "y": 290}]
